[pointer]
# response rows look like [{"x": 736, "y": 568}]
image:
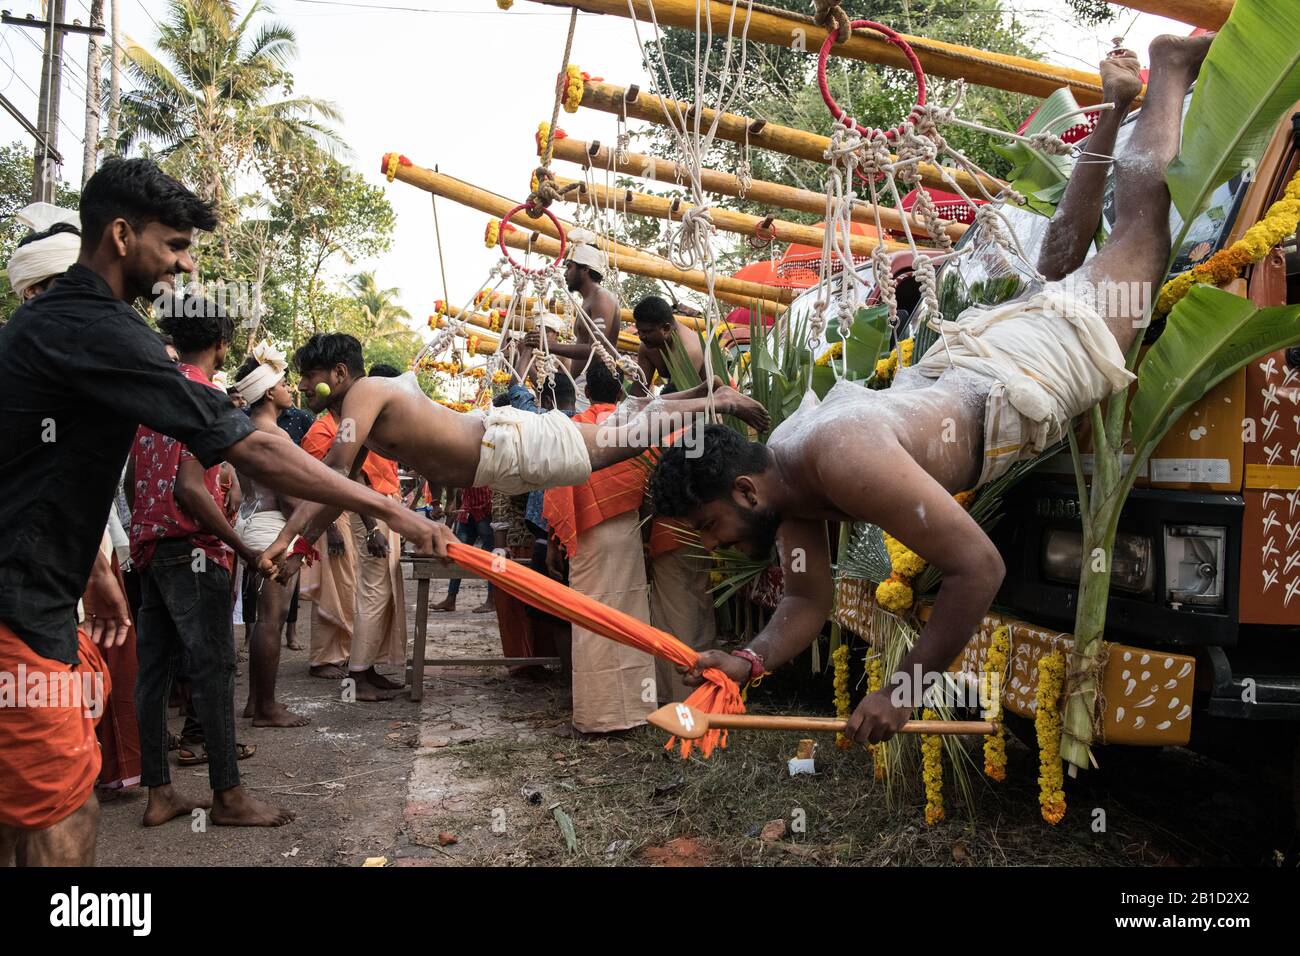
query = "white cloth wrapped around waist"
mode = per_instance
[
  {"x": 258, "y": 530},
  {"x": 523, "y": 451},
  {"x": 1052, "y": 352}
]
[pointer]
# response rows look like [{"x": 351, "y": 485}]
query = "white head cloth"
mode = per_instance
[
  {"x": 48, "y": 257},
  {"x": 585, "y": 252},
  {"x": 272, "y": 365}
]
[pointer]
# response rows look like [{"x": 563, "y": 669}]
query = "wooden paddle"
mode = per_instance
[{"x": 691, "y": 724}]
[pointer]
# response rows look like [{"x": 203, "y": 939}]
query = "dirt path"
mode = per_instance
[{"x": 486, "y": 774}]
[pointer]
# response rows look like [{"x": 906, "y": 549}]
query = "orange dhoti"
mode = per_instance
[
  {"x": 49, "y": 757},
  {"x": 330, "y": 585}
]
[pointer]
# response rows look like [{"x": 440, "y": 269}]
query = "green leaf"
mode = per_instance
[
  {"x": 565, "y": 824},
  {"x": 823, "y": 379},
  {"x": 1209, "y": 335},
  {"x": 1250, "y": 77},
  {"x": 1040, "y": 177}
]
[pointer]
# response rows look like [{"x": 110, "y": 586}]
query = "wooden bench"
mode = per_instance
[{"x": 424, "y": 570}]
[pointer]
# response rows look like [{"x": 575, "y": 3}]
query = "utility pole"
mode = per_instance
[
  {"x": 114, "y": 79},
  {"x": 90, "y": 156},
  {"x": 46, "y": 160}
]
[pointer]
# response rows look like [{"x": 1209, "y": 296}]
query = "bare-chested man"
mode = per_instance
[
  {"x": 658, "y": 329},
  {"x": 583, "y": 273},
  {"x": 505, "y": 449},
  {"x": 880, "y": 457}
]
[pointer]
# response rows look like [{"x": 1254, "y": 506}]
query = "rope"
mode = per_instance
[
  {"x": 829, "y": 14},
  {"x": 437, "y": 233},
  {"x": 546, "y": 193}
]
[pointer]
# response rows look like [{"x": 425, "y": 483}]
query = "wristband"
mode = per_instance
[
  {"x": 302, "y": 547},
  {"x": 756, "y": 666}
]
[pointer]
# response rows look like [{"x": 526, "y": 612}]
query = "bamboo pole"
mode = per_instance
[
  {"x": 661, "y": 207},
  {"x": 766, "y": 25},
  {"x": 487, "y": 343},
  {"x": 771, "y": 299},
  {"x": 595, "y": 156},
  {"x": 627, "y": 341},
  {"x": 631, "y": 102},
  {"x": 467, "y": 194},
  {"x": 1210, "y": 14},
  {"x": 500, "y": 300}
]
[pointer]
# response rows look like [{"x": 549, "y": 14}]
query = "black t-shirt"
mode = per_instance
[
  {"x": 79, "y": 371},
  {"x": 295, "y": 422}
]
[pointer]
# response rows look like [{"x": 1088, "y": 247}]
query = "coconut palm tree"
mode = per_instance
[
  {"x": 380, "y": 316},
  {"x": 206, "y": 104}
]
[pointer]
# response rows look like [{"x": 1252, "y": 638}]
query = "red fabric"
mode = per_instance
[
  {"x": 119, "y": 733},
  {"x": 49, "y": 757},
  {"x": 155, "y": 514},
  {"x": 475, "y": 504},
  {"x": 665, "y": 536},
  {"x": 717, "y": 695},
  {"x": 607, "y": 494}
]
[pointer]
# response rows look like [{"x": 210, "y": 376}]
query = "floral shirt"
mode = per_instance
[{"x": 156, "y": 514}]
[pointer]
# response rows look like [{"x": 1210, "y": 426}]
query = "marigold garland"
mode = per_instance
[
  {"x": 932, "y": 771},
  {"x": 505, "y": 4},
  {"x": 895, "y": 593},
  {"x": 995, "y": 669},
  {"x": 500, "y": 378},
  {"x": 573, "y": 88},
  {"x": 1280, "y": 221},
  {"x": 834, "y": 352},
  {"x": 840, "y": 658},
  {"x": 899, "y": 356},
  {"x": 492, "y": 233},
  {"x": 472, "y": 348},
  {"x": 875, "y": 681},
  {"x": 1047, "y": 724}
]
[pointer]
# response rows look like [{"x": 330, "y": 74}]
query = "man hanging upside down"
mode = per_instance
[
  {"x": 506, "y": 449},
  {"x": 1006, "y": 386}
]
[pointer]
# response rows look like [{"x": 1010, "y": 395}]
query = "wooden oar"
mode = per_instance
[{"x": 691, "y": 724}]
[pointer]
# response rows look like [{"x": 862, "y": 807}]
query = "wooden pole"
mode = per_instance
[
  {"x": 487, "y": 343},
  {"x": 771, "y": 299},
  {"x": 467, "y": 194},
  {"x": 608, "y": 98},
  {"x": 661, "y": 207},
  {"x": 627, "y": 341},
  {"x": 951, "y": 60},
  {"x": 595, "y": 156},
  {"x": 500, "y": 300},
  {"x": 1210, "y": 14}
]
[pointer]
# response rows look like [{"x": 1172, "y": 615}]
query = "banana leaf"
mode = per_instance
[
  {"x": 1040, "y": 177},
  {"x": 868, "y": 337},
  {"x": 1250, "y": 77},
  {"x": 1208, "y": 336}
]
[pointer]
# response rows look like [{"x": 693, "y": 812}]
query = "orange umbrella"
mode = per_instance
[{"x": 800, "y": 267}]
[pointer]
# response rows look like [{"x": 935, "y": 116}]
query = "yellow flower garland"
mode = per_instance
[
  {"x": 900, "y": 356},
  {"x": 492, "y": 234},
  {"x": 840, "y": 658},
  {"x": 875, "y": 681},
  {"x": 995, "y": 663},
  {"x": 573, "y": 88},
  {"x": 932, "y": 771},
  {"x": 1279, "y": 222},
  {"x": 472, "y": 348},
  {"x": 895, "y": 593},
  {"x": 832, "y": 353},
  {"x": 394, "y": 160},
  {"x": 1047, "y": 724}
]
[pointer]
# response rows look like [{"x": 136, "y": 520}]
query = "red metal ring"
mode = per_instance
[
  {"x": 893, "y": 38},
  {"x": 501, "y": 239}
]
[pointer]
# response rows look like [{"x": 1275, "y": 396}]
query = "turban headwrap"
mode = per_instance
[
  {"x": 35, "y": 262},
  {"x": 584, "y": 251},
  {"x": 270, "y": 370}
]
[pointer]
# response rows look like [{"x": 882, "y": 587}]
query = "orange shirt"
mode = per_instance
[{"x": 380, "y": 472}]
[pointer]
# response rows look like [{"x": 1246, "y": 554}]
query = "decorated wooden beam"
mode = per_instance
[
  {"x": 1210, "y": 14},
  {"x": 661, "y": 207},
  {"x": 467, "y": 194},
  {"x": 485, "y": 344},
  {"x": 631, "y": 102},
  {"x": 951, "y": 60},
  {"x": 595, "y": 156},
  {"x": 627, "y": 341},
  {"x": 501, "y": 300},
  {"x": 771, "y": 299}
]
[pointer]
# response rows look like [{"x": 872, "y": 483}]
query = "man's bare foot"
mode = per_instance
[
  {"x": 278, "y": 715},
  {"x": 367, "y": 691},
  {"x": 290, "y": 639},
  {"x": 731, "y": 402},
  {"x": 248, "y": 709},
  {"x": 487, "y": 607},
  {"x": 376, "y": 679},
  {"x": 327, "y": 671},
  {"x": 237, "y": 808},
  {"x": 1121, "y": 78},
  {"x": 446, "y": 604},
  {"x": 166, "y": 804},
  {"x": 1175, "y": 52}
]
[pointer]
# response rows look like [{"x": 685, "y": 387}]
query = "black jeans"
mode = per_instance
[
  {"x": 184, "y": 622},
  {"x": 477, "y": 534}
]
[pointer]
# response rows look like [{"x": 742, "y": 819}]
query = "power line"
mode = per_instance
[{"x": 473, "y": 13}]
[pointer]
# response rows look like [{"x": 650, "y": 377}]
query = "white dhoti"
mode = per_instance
[
  {"x": 260, "y": 529},
  {"x": 523, "y": 451},
  {"x": 680, "y": 604},
  {"x": 613, "y": 684},
  {"x": 1049, "y": 357}
]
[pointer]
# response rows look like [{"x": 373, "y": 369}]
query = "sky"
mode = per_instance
[{"x": 456, "y": 84}]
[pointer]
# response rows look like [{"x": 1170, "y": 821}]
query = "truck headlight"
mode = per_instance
[
  {"x": 1194, "y": 565},
  {"x": 1131, "y": 567}
]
